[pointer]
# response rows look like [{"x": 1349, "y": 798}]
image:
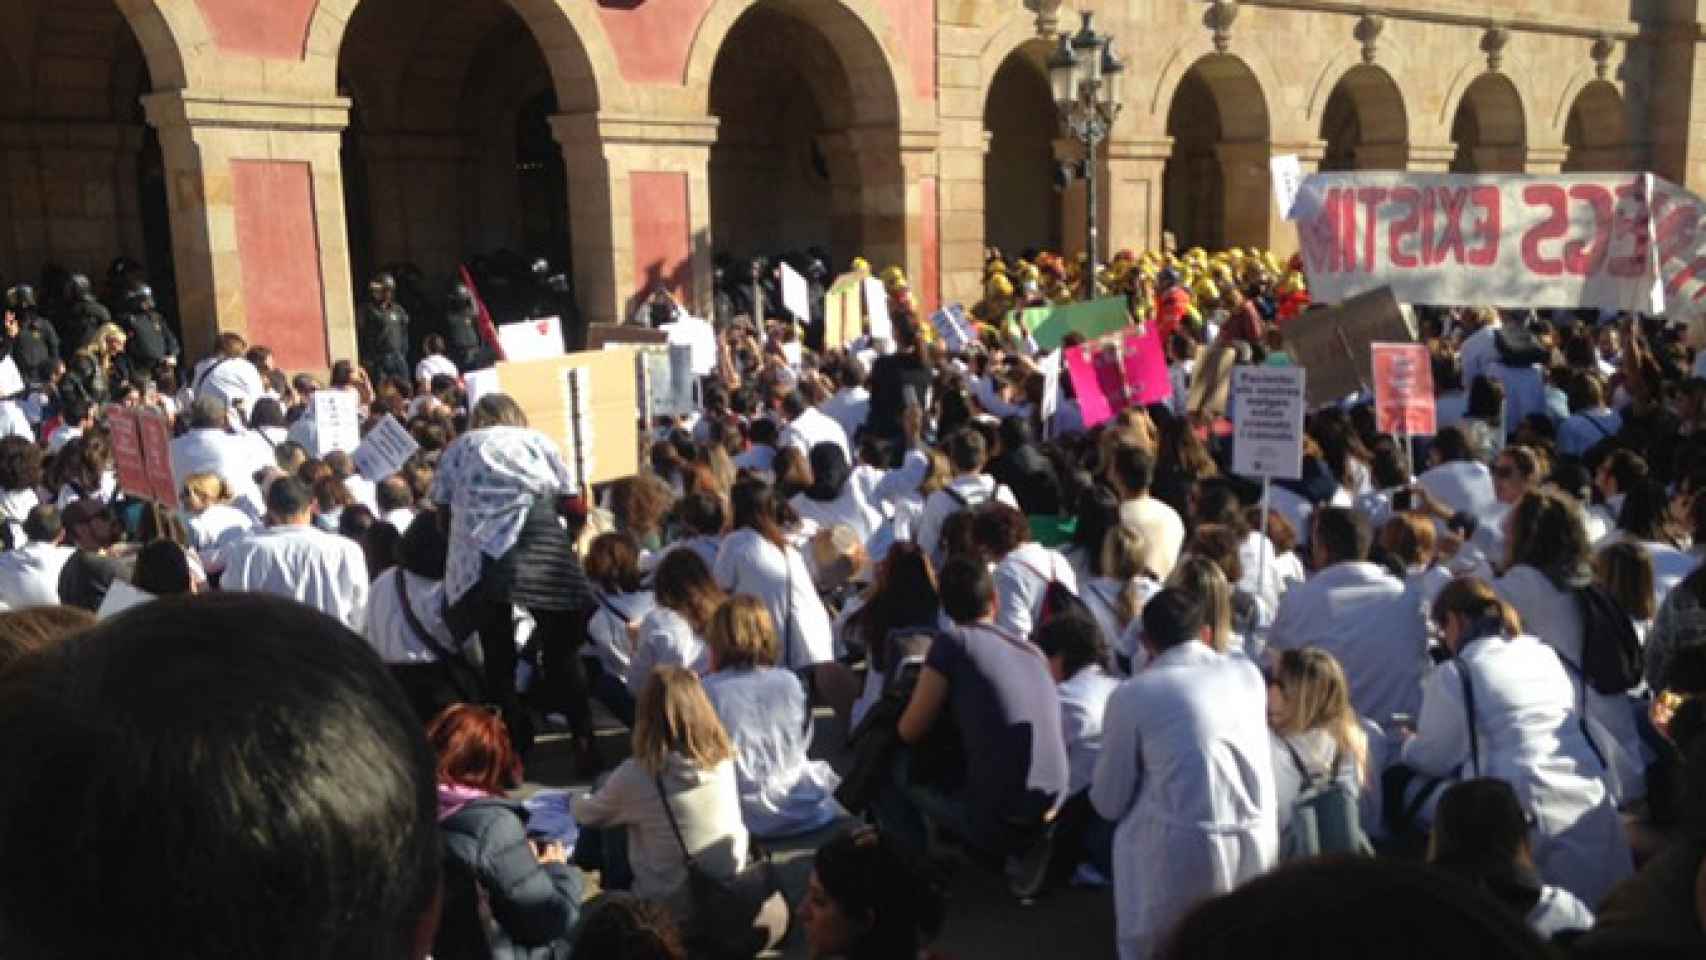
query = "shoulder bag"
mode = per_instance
[
  {"x": 463, "y": 676},
  {"x": 731, "y": 918}
]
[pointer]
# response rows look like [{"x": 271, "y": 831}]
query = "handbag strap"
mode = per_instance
[
  {"x": 1469, "y": 704},
  {"x": 414, "y": 621},
  {"x": 788, "y": 608},
  {"x": 663, "y": 798},
  {"x": 1303, "y": 770}
]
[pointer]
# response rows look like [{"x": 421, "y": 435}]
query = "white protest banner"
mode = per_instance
[
  {"x": 877, "y": 309},
  {"x": 796, "y": 296},
  {"x": 1286, "y": 172},
  {"x": 337, "y": 420},
  {"x": 11, "y": 381},
  {"x": 1561, "y": 241},
  {"x": 700, "y": 338},
  {"x": 384, "y": 450},
  {"x": 538, "y": 339},
  {"x": 1267, "y": 422}
]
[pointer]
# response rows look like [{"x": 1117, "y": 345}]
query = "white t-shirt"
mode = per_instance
[{"x": 434, "y": 365}]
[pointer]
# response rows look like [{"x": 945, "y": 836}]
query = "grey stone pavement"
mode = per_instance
[{"x": 984, "y": 922}]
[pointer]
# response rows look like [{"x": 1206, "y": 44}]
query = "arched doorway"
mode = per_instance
[
  {"x": 1021, "y": 202},
  {"x": 85, "y": 182},
  {"x": 1489, "y": 128},
  {"x": 1597, "y": 131},
  {"x": 450, "y": 157},
  {"x": 1216, "y": 180},
  {"x": 808, "y": 147},
  {"x": 1364, "y": 123}
]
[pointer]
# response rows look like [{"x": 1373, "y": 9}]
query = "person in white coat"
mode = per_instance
[
  {"x": 211, "y": 447},
  {"x": 808, "y": 426},
  {"x": 756, "y": 559},
  {"x": 1546, "y": 561},
  {"x": 613, "y": 567},
  {"x": 1355, "y": 610},
  {"x": 1024, "y": 569},
  {"x": 293, "y": 559},
  {"x": 1504, "y": 707},
  {"x": 1185, "y": 771},
  {"x": 673, "y": 633},
  {"x": 970, "y": 488},
  {"x": 838, "y": 495}
]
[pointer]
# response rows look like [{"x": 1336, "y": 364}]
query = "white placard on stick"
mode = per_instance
[
  {"x": 1267, "y": 419},
  {"x": 337, "y": 420},
  {"x": 538, "y": 339},
  {"x": 796, "y": 296},
  {"x": 1287, "y": 173},
  {"x": 384, "y": 450},
  {"x": 701, "y": 337},
  {"x": 877, "y": 309}
]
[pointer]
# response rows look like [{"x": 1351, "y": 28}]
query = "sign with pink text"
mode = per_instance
[
  {"x": 1113, "y": 373},
  {"x": 1403, "y": 389}
]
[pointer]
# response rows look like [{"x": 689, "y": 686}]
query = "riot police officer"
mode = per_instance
[
  {"x": 152, "y": 341},
  {"x": 83, "y": 315},
  {"x": 384, "y": 331},
  {"x": 551, "y": 296},
  {"x": 462, "y": 334},
  {"x": 35, "y": 343}
]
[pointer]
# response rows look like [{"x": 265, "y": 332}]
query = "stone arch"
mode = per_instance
[
  {"x": 1216, "y": 181},
  {"x": 1021, "y": 206},
  {"x": 1393, "y": 60},
  {"x": 1490, "y": 126},
  {"x": 1188, "y": 56},
  {"x": 1365, "y": 122},
  {"x": 172, "y": 34},
  {"x": 856, "y": 30},
  {"x": 583, "y": 64},
  {"x": 1593, "y": 123}
]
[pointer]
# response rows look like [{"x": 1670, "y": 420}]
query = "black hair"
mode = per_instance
[
  {"x": 701, "y": 513},
  {"x": 1077, "y": 640},
  {"x": 424, "y": 547},
  {"x": 1173, "y": 618},
  {"x": 1343, "y": 533},
  {"x": 282, "y": 783},
  {"x": 830, "y": 471},
  {"x": 43, "y": 524},
  {"x": 162, "y": 569},
  {"x": 288, "y": 497},
  {"x": 267, "y": 413},
  {"x": 874, "y": 878},
  {"x": 1098, "y": 512},
  {"x": 1134, "y": 465},
  {"x": 967, "y": 590},
  {"x": 966, "y": 450}
]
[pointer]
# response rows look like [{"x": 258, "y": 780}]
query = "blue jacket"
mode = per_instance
[{"x": 534, "y": 907}]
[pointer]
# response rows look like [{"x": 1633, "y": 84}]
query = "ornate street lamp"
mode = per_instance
[{"x": 1086, "y": 78}]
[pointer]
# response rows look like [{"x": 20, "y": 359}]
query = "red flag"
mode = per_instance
[{"x": 488, "y": 329}]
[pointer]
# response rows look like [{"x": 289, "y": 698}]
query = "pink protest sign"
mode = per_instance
[
  {"x": 1146, "y": 379},
  {"x": 1097, "y": 380}
]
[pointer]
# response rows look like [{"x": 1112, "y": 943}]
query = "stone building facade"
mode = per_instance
[{"x": 261, "y": 155}]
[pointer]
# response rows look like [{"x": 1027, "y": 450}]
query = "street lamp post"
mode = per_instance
[{"x": 1086, "y": 76}]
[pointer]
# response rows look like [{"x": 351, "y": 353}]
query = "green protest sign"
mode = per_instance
[{"x": 1049, "y": 325}]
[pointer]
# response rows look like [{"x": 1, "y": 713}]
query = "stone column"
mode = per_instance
[
  {"x": 1135, "y": 203},
  {"x": 1539, "y": 159},
  {"x": 920, "y": 172},
  {"x": 1249, "y": 199},
  {"x": 258, "y": 229},
  {"x": 961, "y": 147},
  {"x": 639, "y": 208},
  {"x": 1432, "y": 157},
  {"x": 1382, "y": 156}
]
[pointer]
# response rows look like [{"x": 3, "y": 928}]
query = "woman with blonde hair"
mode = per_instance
[
  {"x": 1203, "y": 578},
  {"x": 783, "y": 793},
  {"x": 99, "y": 367},
  {"x": 1317, "y": 736},
  {"x": 1503, "y": 706},
  {"x": 1116, "y": 596},
  {"x": 681, "y": 757},
  {"x": 214, "y": 522}
]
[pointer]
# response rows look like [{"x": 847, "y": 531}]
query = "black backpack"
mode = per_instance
[{"x": 1611, "y": 652}]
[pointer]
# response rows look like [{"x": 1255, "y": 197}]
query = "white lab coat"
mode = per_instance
[
  {"x": 852, "y": 508},
  {"x": 314, "y": 568},
  {"x": 1186, "y": 773},
  {"x": 1359, "y": 613},
  {"x": 976, "y": 489},
  {"x": 1528, "y": 735},
  {"x": 1465, "y": 486},
  {"x": 29, "y": 575},
  {"x": 1021, "y": 579},
  {"x": 1553, "y": 616},
  {"x": 748, "y": 563},
  {"x": 849, "y": 407},
  {"x": 811, "y": 428},
  {"x": 235, "y": 457},
  {"x": 608, "y": 640},
  {"x": 665, "y": 639}
]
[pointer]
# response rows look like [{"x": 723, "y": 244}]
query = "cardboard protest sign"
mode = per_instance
[
  {"x": 1146, "y": 368},
  {"x": 1098, "y": 379},
  {"x": 128, "y": 461},
  {"x": 843, "y": 310},
  {"x": 1403, "y": 389},
  {"x": 11, "y": 379},
  {"x": 796, "y": 296},
  {"x": 156, "y": 435},
  {"x": 538, "y": 339},
  {"x": 1611, "y": 241},
  {"x": 384, "y": 450},
  {"x": 1333, "y": 343},
  {"x": 589, "y": 402},
  {"x": 337, "y": 420},
  {"x": 1211, "y": 381},
  {"x": 1267, "y": 419},
  {"x": 1094, "y": 318},
  {"x": 1051, "y": 367},
  {"x": 478, "y": 383},
  {"x": 602, "y": 335},
  {"x": 952, "y": 328}
]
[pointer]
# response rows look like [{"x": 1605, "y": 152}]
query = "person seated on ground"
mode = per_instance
[
  {"x": 292, "y": 558},
  {"x": 1078, "y": 656},
  {"x": 783, "y": 793},
  {"x": 29, "y": 572},
  {"x": 405, "y": 624},
  {"x": 1185, "y": 771},
  {"x": 336, "y": 812},
  {"x": 674, "y": 631},
  {"x": 969, "y": 488},
  {"x": 1024, "y": 569},
  {"x": 163, "y": 569},
  {"x": 1317, "y": 737},
  {"x": 868, "y": 899},
  {"x": 1352, "y": 908},
  {"x": 1116, "y": 596},
  {"x": 621, "y": 926},
  {"x": 613, "y": 567},
  {"x": 681, "y": 757},
  {"x": 1481, "y": 833},
  {"x": 994, "y": 687},
  {"x": 532, "y": 893},
  {"x": 89, "y": 572}
]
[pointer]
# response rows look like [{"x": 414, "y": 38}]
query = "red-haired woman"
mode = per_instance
[{"x": 533, "y": 893}]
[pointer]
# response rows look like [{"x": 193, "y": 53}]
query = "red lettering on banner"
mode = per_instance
[
  {"x": 1555, "y": 226},
  {"x": 1677, "y": 229},
  {"x": 1371, "y": 198},
  {"x": 1684, "y": 276},
  {"x": 1487, "y": 230},
  {"x": 1632, "y": 227},
  {"x": 1404, "y": 227},
  {"x": 1348, "y": 231},
  {"x": 1584, "y": 258},
  {"x": 1456, "y": 202},
  {"x": 1428, "y": 228}
]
